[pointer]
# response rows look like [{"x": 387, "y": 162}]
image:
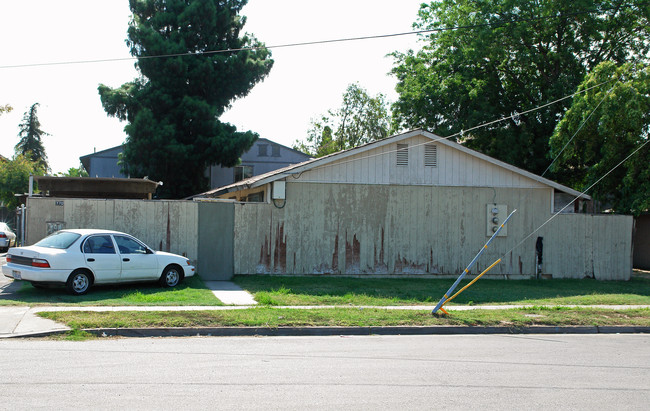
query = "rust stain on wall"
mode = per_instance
[
  {"x": 280, "y": 252},
  {"x": 335, "y": 256},
  {"x": 380, "y": 265},
  {"x": 403, "y": 266},
  {"x": 380, "y": 260},
  {"x": 277, "y": 264},
  {"x": 352, "y": 254},
  {"x": 431, "y": 267},
  {"x": 265, "y": 255}
]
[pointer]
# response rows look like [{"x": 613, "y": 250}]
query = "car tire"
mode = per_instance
[
  {"x": 171, "y": 276},
  {"x": 78, "y": 282}
]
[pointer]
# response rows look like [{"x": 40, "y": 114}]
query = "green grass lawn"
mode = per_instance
[
  {"x": 286, "y": 291},
  {"x": 191, "y": 291},
  {"x": 277, "y": 290},
  {"x": 366, "y": 317},
  {"x": 271, "y": 291}
]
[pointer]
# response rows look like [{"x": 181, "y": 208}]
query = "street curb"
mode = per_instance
[
  {"x": 359, "y": 331},
  {"x": 35, "y": 334}
]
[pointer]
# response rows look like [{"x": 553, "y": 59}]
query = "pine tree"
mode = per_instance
[
  {"x": 31, "y": 144},
  {"x": 173, "y": 110}
]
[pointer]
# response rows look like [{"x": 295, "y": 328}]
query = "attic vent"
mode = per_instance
[
  {"x": 402, "y": 154},
  {"x": 431, "y": 155}
]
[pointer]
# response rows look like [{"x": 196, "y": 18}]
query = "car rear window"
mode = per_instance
[{"x": 60, "y": 240}]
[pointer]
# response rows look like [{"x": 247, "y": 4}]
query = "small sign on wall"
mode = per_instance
[
  {"x": 58, "y": 203},
  {"x": 54, "y": 226}
]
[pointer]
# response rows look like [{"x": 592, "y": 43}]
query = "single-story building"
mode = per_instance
[
  {"x": 410, "y": 205},
  {"x": 418, "y": 204}
]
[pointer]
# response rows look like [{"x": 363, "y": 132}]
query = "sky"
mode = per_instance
[{"x": 304, "y": 83}]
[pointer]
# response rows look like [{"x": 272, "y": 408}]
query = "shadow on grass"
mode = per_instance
[
  {"x": 315, "y": 290},
  {"x": 191, "y": 291}
]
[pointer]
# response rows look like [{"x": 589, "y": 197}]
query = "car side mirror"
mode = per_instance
[{"x": 149, "y": 250}]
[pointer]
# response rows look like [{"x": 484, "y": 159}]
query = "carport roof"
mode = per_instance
[{"x": 88, "y": 187}]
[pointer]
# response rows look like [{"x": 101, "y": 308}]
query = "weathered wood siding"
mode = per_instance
[
  {"x": 351, "y": 229},
  {"x": 593, "y": 246},
  {"x": 163, "y": 225},
  {"x": 454, "y": 168}
]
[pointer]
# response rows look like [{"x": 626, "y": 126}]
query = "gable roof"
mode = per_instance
[
  {"x": 263, "y": 179},
  {"x": 114, "y": 151},
  {"x": 291, "y": 149},
  {"x": 85, "y": 160}
]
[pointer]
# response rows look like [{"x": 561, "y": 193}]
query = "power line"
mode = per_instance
[
  {"x": 308, "y": 43},
  {"x": 462, "y": 132},
  {"x": 576, "y": 198},
  {"x": 579, "y": 128}
]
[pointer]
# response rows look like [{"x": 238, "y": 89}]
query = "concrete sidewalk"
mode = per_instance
[
  {"x": 24, "y": 322},
  {"x": 230, "y": 293}
]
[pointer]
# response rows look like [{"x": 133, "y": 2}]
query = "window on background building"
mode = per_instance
[
  {"x": 263, "y": 150},
  {"x": 243, "y": 172},
  {"x": 275, "y": 151}
]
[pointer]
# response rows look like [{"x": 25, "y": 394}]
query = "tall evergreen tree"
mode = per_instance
[
  {"x": 173, "y": 110},
  {"x": 31, "y": 144}
]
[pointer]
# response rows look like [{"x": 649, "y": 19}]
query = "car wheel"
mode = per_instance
[
  {"x": 171, "y": 276},
  {"x": 78, "y": 283}
]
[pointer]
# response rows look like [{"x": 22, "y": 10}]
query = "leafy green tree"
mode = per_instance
[
  {"x": 173, "y": 131},
  {"x": 603, "y": 127},
  {"x": 74, "y": 172},
  {"x": 14, "y": 178},
  {"x": 511, "y": 56},
  {"x": 360, "y": 120},
  {"x": 31, "y": 143},
  {"x": 5, "y": 109}
]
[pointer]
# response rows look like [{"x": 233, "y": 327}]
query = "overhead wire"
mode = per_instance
[
  {"x": 580, "y": 127},
  {"x": 576, "y": 198},
  {"x": 311, "y": 43},
  {"x": 462, "y": 132},
  {"x": 554, "y": 215}
]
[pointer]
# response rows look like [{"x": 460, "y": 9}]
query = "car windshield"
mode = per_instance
[{"x": 60, "y": 240}]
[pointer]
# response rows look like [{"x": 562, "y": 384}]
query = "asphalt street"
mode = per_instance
[{"x": 487, "y": 372}]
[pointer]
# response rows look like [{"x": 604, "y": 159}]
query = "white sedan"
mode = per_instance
[
  {"x": 80, "y": 258},
  {"x": 7, "y": 237}
]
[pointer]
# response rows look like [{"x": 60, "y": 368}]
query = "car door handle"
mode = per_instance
[
  {"x": 90, "y": 260},
  {"x": 126, "y": 259}
]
